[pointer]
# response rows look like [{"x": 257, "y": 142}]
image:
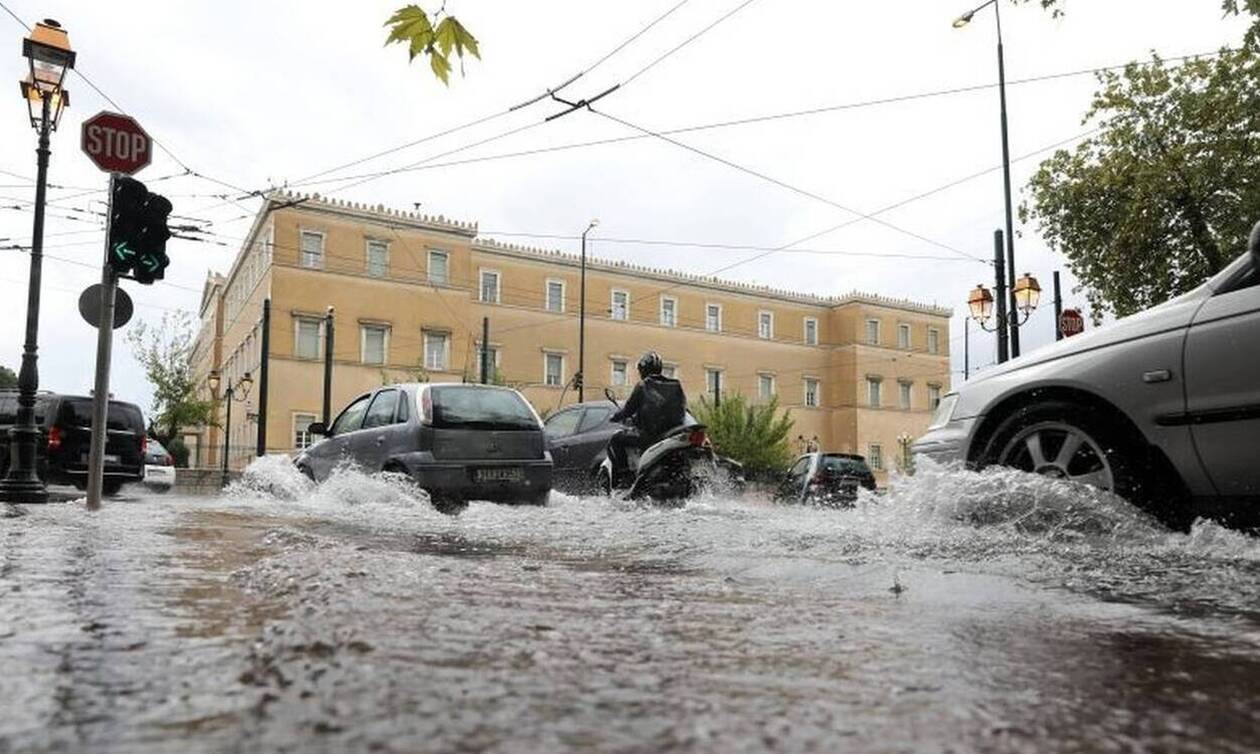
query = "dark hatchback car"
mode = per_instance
[
  {"x": 577, "y": 438},
  {"x": 456, "y": 441},
  {"x": 65, "y": 426},
  {"x": 826, "y": 479}
]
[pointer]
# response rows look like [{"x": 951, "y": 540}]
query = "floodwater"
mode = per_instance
[{"x": 959, "y": 612}]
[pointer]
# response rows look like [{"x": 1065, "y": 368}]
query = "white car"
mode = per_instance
[
  {"x": 1162, "y": 408},
  {"x": 159, "y": 467}
]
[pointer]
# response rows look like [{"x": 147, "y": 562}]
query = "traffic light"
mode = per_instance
[{"x": 138, "y": 232}]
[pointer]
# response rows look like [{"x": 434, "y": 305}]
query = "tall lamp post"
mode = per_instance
[
  {"x": 959, "y": 23},
  {"x": 48, "y": 54},
  {"x": 581, "y": 373},
  {"x": 229, "y": 396}
]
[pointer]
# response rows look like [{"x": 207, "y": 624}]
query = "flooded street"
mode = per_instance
[{"x": 958, "y": 612}]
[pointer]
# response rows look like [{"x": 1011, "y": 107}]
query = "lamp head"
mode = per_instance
[
  {"x": 980, "y": 303},
  {"x": 964, "y": 19},
  {"x": 49, "y": 55},
  {"x": 1027, "y": 293},
  {"x": 245, "y": 384},
  {"x": 213, "y": 382}
]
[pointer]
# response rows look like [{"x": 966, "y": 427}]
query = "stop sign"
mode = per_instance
[
  {"x": 116, "y": 143},
  {"x": 1071, "y": 322}
]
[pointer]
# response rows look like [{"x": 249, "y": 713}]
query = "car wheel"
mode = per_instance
[
  {"x": 449, "y": 506},
  {"x": 1075, "y": 443},
  {"x": 306, "y": 472},
  {"x": 111, "y": 487},
  {"x": 539, "y": 498}
]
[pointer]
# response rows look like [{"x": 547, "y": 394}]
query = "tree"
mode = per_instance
[
  {"x": 166, "y": 355},
  {"x": 1166, "y": 192},
  {"x": 8, "y": 380},
  {"x": 1228, "y": 7},
  {"x": 756, "y": 435},
  {"x": 436, "y": 35}
]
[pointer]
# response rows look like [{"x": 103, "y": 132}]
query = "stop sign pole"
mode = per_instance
[{"x": 117, "y": 145}]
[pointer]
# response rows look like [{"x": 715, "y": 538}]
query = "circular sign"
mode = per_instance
[
  {"x": 90, "y": 306},
  {"x": 116, "y": 143},
  {"x": 1071, "y": 322}
]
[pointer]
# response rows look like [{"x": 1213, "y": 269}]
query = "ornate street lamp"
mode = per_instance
[
  {"x": 1027, "y": 294},
  {"x": 229, "y": 397},
  {"x": 49, "y": 57}
]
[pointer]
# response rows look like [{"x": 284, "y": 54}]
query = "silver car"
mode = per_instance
[
  {"x": 1162, "y": 408},
  {"x": 457, "y": 441}
]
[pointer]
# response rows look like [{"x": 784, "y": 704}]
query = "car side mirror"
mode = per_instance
[
  {"x": 1254, "y": 244},
  {"x": 318, "y": 428}
]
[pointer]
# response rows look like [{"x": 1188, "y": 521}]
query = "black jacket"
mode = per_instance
[{"x": 657, "y": 405}]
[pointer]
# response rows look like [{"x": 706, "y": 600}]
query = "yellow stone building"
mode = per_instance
[{"x": 408, "y": 292}]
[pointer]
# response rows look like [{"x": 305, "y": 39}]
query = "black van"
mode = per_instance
[{"x": 65, "y": 425}]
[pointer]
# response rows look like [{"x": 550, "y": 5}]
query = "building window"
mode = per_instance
[
  {"x": 903, "y": 337},
  {"x": 374, "y": 344},
  {"x": 765, "y": 386},
  {"x": 670, "y": 371},
  {"x": 620, "y": 305},
  {"x": 874, "y": 386},
  {"x": 934, "y": 396},
  {"x": 875, "y": 456},
  {"x": 765, "y": 325},
  {"x": 713, "y": 381},
  {"x": 302, "y": 430},
  {"x": 312, "y": 253},
  {"x": 493, "y": 351},
  {"x": 377, "y": 259},
  {"x": 934, "y": 340},
  {"x": 872, "y": 332},
  {"x": 436, "y": 351},
  {"x": 555, "y": 296},
  {"x": 553, "y": 369},
  {"x": 811, "y": 331},
  {"x": 439, "y": 267},
  {"x": 489, "y": 287},
  {"x": 713, "y": 317},
  {"x": 307, "y": 338},
  {"x": 904, "y": 396},
  {"x": 669, "y": 312},
  {"x": 618, "y": 373},
  {"x": 811, "y": 393}
]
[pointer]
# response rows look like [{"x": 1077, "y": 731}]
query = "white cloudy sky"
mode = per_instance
[{"x": 261, "y": 93}]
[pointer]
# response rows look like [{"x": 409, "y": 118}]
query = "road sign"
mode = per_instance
[
  {"x": 116, "y": 143},
  {"x": 1071, "y": 322},
  {"x": 90, "y": 306}
]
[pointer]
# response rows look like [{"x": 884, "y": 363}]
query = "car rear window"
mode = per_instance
[
  {"x": 123, "y": 416},
  {"x": 457, "y": 406},
  {"x": 843, "y": 465},
  {"x": 9, "y": 406}
]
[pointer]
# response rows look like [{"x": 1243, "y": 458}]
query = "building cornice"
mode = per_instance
[{"x": 379, "y": 214}]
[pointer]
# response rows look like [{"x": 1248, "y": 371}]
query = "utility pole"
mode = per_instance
[
  {"x": 999, "y": 269},
  {"x": 966, "y": 349},
  {"x": 1058, "y": 308},
  {"x": 581, "y": 373},
  {"x": 104, "y": 349},
  {"x": 485, "y": 350},
  {"x": 264, "y": 364},
  {"x": 328, "y": 365},
  {"x": 717, "y": 388}
]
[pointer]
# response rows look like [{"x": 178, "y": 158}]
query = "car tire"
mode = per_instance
[
  {"x": 306, "y": 472},
  {"x": 111, "y": 487},
  {"x": 449, "y": 506},
  {"x": 539, "y": 499},
  {"x": 1081, "y": 444}
]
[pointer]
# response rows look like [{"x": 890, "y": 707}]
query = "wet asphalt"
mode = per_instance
[{"x": 959, "y": 612}]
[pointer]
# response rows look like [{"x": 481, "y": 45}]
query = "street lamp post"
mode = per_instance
[
  {"x": 229, "y": 396},
  {"x": 1026, "y": 294},
  {"x": 959, "y": 23},
  {"x": 904, "y": 440},
  {"x": 581, "y": 373},
  {"x": 49, "y": 56}
]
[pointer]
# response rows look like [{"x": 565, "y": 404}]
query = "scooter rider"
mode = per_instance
[{"x": 657, "y": 405}]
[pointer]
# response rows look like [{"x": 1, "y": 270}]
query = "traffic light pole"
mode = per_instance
[{"x": 104, "y": 347}]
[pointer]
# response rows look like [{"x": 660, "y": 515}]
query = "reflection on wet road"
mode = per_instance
[{"x": 960, "y": 612}]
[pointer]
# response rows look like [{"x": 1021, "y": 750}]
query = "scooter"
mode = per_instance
[{"x": 677, "y": 467}]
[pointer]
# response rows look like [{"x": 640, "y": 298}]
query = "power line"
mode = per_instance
[{"x": 687, "y": 41}]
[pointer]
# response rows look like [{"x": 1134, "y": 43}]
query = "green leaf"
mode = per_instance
[
  {"x": 441, "y": 66},
  {"x": 409, "y": 23},
  {"x": 451, "y": 35}
]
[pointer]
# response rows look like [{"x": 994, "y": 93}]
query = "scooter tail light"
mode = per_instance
[
  {"x": 698, "y": 438},
  {"x": 54, "y": 438}
]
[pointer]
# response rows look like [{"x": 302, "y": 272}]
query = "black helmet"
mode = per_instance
[{"x": 650, "y": 364}]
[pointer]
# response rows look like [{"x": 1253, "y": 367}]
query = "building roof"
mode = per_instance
[{"x": 399, "y": 218}]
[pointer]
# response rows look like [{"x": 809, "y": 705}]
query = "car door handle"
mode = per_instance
[
  {"x": 380, "y": 440},
  {"x": 1158, "y": 375}
]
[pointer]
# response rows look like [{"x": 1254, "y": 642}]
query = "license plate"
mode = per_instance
[
  {"x": 509, "y": 474},
  {"x": 112, "y": 459}
]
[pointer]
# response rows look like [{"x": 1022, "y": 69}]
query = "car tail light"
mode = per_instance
[
  {"x": 426, "y": 407},
  {"x": 144, "y": 444},
  {"x": 167, "y": 460},
  {"x": 698, "y": 438},
  {"x": 54, "y": 438}
]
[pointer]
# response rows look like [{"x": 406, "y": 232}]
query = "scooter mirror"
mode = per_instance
[{"x": 608, "y": 393}]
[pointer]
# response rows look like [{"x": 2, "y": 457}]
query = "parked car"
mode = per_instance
[
  {"x": 65, "y": 438},
  {"x": 826, "y": 479},
  {"x": 577, "y": 438},
  {"x": 1162, "y": 408},
  {"x": 457, "y": 441},
  {"x": 159, "y": 467}
]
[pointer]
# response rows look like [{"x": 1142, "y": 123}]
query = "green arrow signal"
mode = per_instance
[
  {"x": 122, "y": 251},
  {"x": 150, "y": 263}
]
